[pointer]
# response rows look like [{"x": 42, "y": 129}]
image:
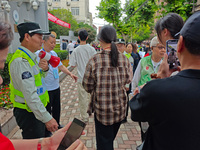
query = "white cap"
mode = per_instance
[{"x": 154, "y": 41}]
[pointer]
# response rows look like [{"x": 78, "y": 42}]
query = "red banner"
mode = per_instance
[{"x": 58, "y": 21}]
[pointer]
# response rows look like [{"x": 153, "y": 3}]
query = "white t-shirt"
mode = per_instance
[
  {"x": 70, "y": 47},
  {"x": 50, "y": 82},
  {"x": 80, "y": 58}
]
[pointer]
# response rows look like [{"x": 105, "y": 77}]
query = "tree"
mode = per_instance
[
  {"x": 89, "y": 29},
  {"x": 137, "y": 21},
  {"x": 140, "y": 17},
  {"x": 126, "y": 24},
  {"x": 111, "y": 11},
  {"x": 182, "y": 7},
  {"x": 66, "y": 16}
]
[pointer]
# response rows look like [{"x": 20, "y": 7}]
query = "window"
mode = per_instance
[
  {"x": 56, "y": 0},
  {"x": 56, "y": 7},
  {"x": 75, "y": 11}
]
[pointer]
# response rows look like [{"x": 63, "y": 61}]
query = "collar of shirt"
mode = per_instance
[
  {"x": 33, "y": 55},
  {"x": 190, "y": 73}
]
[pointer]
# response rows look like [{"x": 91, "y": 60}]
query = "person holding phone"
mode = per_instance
[
  {"x": 166, "y": 29},
  {"x": 105, "y": 77},
  {"x": 6, "y": 36},
  {"x": 171, "y": 105},
  {"x": 168, "y": 26}
]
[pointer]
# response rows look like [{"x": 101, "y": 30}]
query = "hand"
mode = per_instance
[
  {"x": 52, "y": 125},
  {"x": 164, "y": 70},
  {"x": 43, "y": 64},
  {"x": 74, "y": 77},
  {"x": 89, "y": 112},
  {"x": 127, "y": 88},
  {"x": 77, "y": 145},
  {"x": 137, "y": 89},
  {"x": 54, "y": 141}
]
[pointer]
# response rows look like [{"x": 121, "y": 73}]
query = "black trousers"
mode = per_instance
[
  {"x": 53, "y": 107},
  {"x": 32, "y": 128},
  {"x": 105, "y": 135}
]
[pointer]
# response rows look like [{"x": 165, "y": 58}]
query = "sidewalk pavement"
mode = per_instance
[{"x": 128, "y": 137}]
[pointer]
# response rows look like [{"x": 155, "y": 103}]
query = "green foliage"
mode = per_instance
[
  {"x": 91, "y": 31},
  {"x": 181, "y": 7},
  {"x": 62, "y": 54},
  {"x": 5, "y": 72},
  {"x": 140, "y": 25},
  {"x": 129, "y": 24},
  {"x": 111, "y": 11},
  {"x": 57, "y": 47},
  {"x": 142, "y": 33},
  {"x": 66, "y": 16},
  {"x": 137, "y": 21}
]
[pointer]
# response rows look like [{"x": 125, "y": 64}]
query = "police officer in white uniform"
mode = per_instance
[{"x": 28, "y": 94}]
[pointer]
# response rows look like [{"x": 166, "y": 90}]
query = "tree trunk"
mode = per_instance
[{"x": 198, "y": 5}]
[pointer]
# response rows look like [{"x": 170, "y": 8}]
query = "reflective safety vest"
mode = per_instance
[
  {"x": 146, "y": 70},
  {"x": 42, "y": 93}
]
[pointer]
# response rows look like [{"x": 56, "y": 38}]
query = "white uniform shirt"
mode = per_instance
[
  {"x": 50, "y": 82},
  {"x": 27, "y": 86}
]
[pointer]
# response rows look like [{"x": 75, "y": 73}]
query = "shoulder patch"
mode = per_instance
[{"x": 26, "y": 75}]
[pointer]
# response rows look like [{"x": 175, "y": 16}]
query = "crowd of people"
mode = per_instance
[{"x": 164, "y": 101}]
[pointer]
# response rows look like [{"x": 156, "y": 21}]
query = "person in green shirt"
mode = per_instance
[{"x": 147, "y": 66}]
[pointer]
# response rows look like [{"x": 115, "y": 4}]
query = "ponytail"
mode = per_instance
[{"x": 114, "y": 54}]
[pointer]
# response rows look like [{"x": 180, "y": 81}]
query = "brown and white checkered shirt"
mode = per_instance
[{"x": 107, "y": 87}]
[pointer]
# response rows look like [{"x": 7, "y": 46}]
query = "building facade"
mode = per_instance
[
  {"x": 19, "y": 11},
  {"x": 78, "y": 8}
]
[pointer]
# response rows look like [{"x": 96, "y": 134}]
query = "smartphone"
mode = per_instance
[
  {"x": 171, "y": 49},
  {"x": 73, "y": 133}
]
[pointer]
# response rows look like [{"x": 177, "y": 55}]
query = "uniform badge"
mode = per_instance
[{"x": 26, "y": 75}]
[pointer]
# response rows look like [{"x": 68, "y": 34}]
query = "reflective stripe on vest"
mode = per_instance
[{"x": 41, "y": 91}]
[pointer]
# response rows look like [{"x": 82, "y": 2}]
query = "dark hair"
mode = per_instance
[
  {"x": 6, "y": 35},
  {"x": 172, "y": 22},
  {"x": 83, "y": 34},
  {"x": 78, "y": 40},
  {"x": 131, "y": 45},
  {"x": 134, "y": 46},
  {"x": 46, "y": 37},
  {"x": 22, "y": 37},
  {"x": 192, "y": 47},
  {"x": 107, "y": 34}
]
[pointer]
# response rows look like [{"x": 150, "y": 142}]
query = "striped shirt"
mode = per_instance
[{"x": 107, "y": 87}]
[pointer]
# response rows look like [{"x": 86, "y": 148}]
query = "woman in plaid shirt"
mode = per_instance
[{"x": 105, "y": 78}]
